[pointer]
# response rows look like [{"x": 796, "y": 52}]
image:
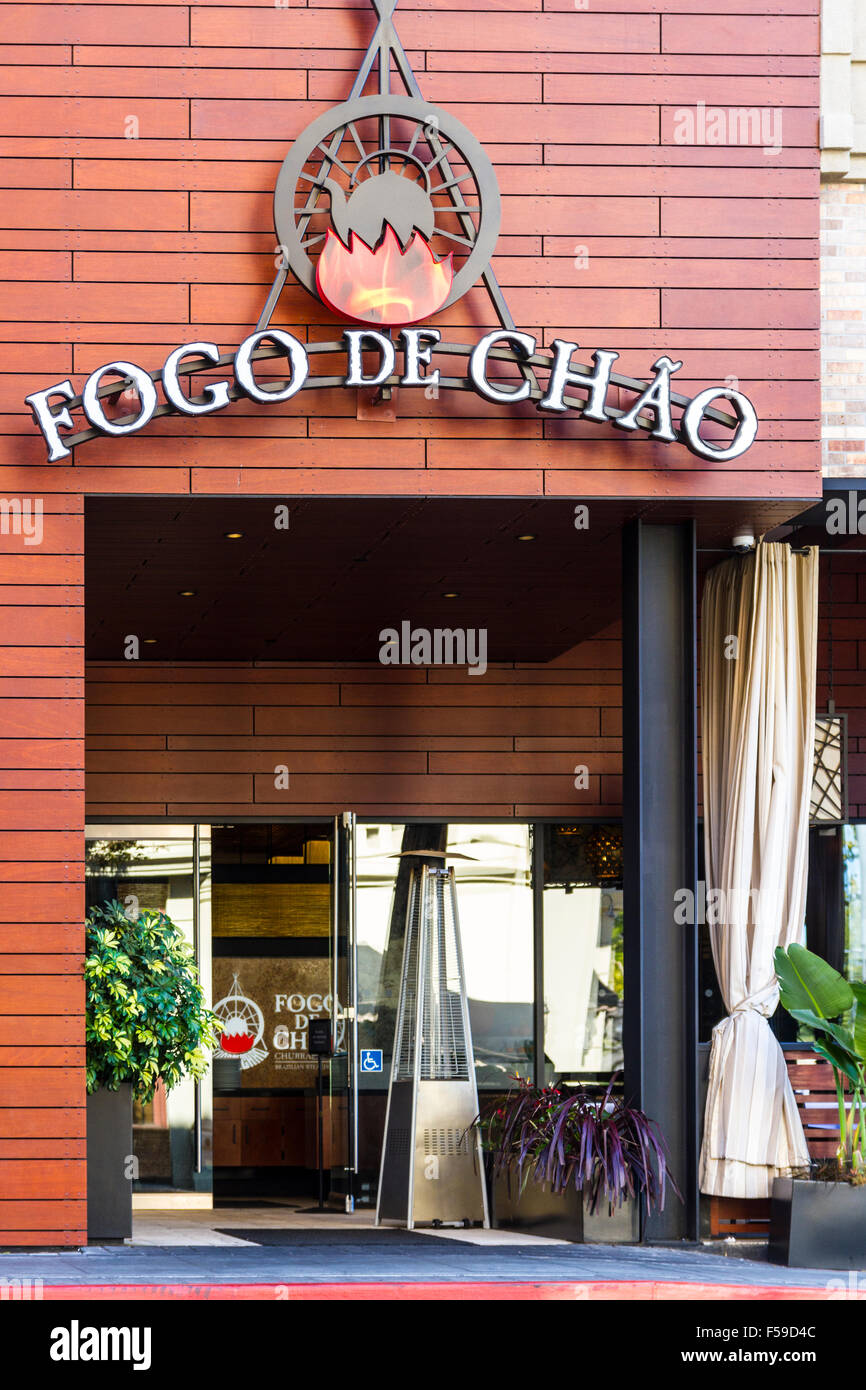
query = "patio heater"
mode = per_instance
[{"x": 431, "y": 1169}]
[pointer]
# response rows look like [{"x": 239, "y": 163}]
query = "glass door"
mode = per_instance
[
  {"x": 272, "y": 982},
  {"x": 342, "y": 1119},
  {"x": 269, "y": 911},
  {"x": 166, "y": 868}
]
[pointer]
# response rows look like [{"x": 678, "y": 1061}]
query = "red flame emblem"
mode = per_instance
[
  {"x": 387, "y": 285},
  {"x": 236, "y": 1042}
]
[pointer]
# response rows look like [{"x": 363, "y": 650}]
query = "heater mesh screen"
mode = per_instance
[
  {"x": 398, "y": 1142},
  {"x": 443, "y": 1049},
  {"x": 404, "y": 1042}
]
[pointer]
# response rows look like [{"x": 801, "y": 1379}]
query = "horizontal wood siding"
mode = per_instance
[
  {"x": 173, "y": 740},
  {"x": 617, "y": 230},
  {"x": 42, "y": 1126}
]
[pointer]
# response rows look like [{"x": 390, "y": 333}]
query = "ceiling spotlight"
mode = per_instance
[
  {"x": 187, "y": 593},
  {"x": 452, "y": 594},
  {"x": 526, "y": 538},
  {"x": 233, "y": 535},
  {"x": 149, "y": 641}
]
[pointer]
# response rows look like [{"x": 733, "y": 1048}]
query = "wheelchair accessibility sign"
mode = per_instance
[{"x": 371, "y": 1059}]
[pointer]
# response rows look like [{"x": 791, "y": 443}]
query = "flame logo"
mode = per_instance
[
  {"x": 242, "y": 1028},
  {"x": 388, "y": 285},
  {"x": 235, "y": 1037}
]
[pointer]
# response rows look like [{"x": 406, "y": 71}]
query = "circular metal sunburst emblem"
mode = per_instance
[{"x": 387, "y": 209}]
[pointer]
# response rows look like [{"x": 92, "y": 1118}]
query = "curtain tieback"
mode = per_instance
[{"x": 763, "y": 1002}]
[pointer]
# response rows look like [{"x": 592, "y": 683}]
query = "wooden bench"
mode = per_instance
[{"x": 815, "y": 1090}]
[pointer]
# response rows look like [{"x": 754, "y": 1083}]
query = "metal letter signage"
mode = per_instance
[{"x": 387, "y": 211}]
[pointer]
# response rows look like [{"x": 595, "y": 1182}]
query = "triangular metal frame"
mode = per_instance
[{"x": 384, "y": 44}]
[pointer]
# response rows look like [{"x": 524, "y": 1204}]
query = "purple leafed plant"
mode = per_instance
[{"x": 593, "y": 1142}]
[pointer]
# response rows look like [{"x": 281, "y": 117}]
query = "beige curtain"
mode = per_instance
[{"x": 758, "y": 643}]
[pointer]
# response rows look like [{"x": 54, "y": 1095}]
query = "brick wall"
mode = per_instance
[{"x": 843, "y": 328}]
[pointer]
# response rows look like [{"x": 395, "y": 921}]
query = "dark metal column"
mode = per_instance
[
  {"x": 539, "y": 1068},
  {"x": 660, "y": 848}
]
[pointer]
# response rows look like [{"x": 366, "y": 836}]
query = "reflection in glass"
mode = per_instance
[
  {"x": 157, "y": 871},
  {"x": 494, "y": 899},
  {"x": 272, "y": 975},
  {"x": 582, "y": 981},
  {"x": 854, "y": 881},
  {"x": 583, "y": 954}
]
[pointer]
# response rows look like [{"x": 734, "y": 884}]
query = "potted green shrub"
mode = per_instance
[
  {"x": 818, "y": 1220},
  {"x": 145, "y": 1019},
  {"x": 573, "y": 1165}
]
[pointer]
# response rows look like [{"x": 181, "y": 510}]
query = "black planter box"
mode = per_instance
[
  {"x": 109, "y": 1151},
  {"x": 562, "y": 1216},
  {"x": 817, "y": 1225}
]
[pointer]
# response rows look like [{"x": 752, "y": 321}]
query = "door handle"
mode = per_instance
[{"x": 234, "y": 1134}]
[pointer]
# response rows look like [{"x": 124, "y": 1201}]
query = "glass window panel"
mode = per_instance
[
  {"x": 583, "y": 952},
  {"x": 854, "y": 882},
  {"x": 380, "y": 943},
  {"x": 494, "y": 900},
  {"x": 583, "y": 994},
  {"x": 154, "y": 869},
  {"x": 272, "y": 880},
  {"x": 272, "y": 976}
]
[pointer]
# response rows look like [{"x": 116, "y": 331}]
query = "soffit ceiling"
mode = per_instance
[{"x": 346, "y": 568}]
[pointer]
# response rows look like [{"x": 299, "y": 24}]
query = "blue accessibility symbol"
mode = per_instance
[{"x": 371, "y": 1059}]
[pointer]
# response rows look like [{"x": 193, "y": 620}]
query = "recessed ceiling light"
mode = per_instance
[
  {"x": 453, "y": 594},
  {"x": 233, "y": 535},
  {"x": 149, "y": 641},
  {"x": 526, "y": 538},
  {"x": 187, "y": 593}
]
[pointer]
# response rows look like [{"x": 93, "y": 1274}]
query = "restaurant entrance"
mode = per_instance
[{"x": 303, "y": 918}]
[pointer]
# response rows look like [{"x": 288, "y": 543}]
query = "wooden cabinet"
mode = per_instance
[
  {"x": 261, "y": 1132},
  {"x": 333, "y": 1132},
  {"x": 266, "y": 1131},
  {"x": 226, "y": 1132},
  {"x": 292, "y": 1109}
]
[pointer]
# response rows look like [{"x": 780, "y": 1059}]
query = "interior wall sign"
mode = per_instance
[{"x": 387, "y": 211}]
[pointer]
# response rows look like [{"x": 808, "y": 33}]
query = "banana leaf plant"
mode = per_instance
[
  {"x": 815, "y": 995},
  {"x": 592, "y": 1141}
]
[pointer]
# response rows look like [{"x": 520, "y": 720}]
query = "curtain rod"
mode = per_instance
[
  {"x": 803, "y": 550},
  {"x": 732, "y": 550}
]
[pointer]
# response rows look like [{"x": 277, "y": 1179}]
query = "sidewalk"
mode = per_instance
[{"x": 281, "y": 1252}]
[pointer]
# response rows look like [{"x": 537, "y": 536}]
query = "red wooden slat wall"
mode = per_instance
[
  {"x": 113, "y": 246},
  {"x": 613, "y": 231},
  {"x": 42, "y": 1126},
  {"x": 426, "y": 743}
]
